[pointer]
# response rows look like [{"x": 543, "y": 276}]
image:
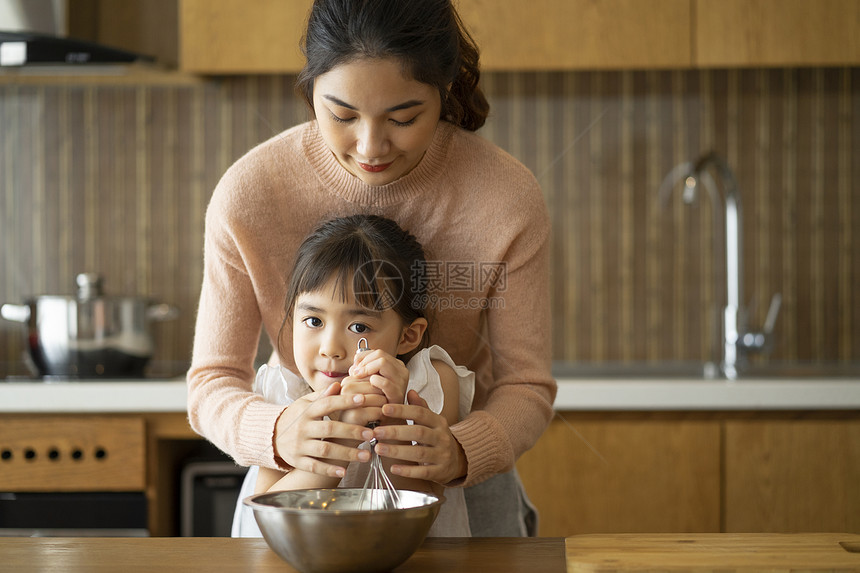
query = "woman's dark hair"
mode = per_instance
[
  {"x": 427, "y": 36},
  {"x": 368, "y": 256}
]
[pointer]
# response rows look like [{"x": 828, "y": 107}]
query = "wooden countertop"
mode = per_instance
[
  {"x": 207, "y": 554},
  {"x": 713, "y": 552},
  {"x": 619, "y": 552}
]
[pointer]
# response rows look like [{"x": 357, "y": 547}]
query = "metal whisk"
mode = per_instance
[{"x": 378, "y": 491}]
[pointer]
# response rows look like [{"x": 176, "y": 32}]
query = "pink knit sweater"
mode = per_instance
[{"x": 481, "y": 218}]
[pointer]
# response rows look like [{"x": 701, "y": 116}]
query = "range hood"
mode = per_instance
[{"x": 24, "y": 48}]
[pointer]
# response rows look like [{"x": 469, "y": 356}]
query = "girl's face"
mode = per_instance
[
  {"x": 376, "y": 121},
  {"x": 326, "y": 331}
]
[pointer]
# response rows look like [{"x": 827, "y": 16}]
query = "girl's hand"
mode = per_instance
[
  {"x": 438, "y": 455},
  {"x": 385, "y": 372},
  {"x": 305, "y": 440},
  {"x": 374, "y": 399}
]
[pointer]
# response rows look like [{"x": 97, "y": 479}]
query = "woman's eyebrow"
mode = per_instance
[{"x": 404, "y": 105}]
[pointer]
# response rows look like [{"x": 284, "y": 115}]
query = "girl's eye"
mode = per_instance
[
  {"x": 312, "y": 322},
  {"x": 359, "y": 328}
]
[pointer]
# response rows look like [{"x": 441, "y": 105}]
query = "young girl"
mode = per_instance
[{"x": 360, "y": 279}]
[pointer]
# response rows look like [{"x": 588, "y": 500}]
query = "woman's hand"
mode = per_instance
[
  {"x": 384, "y": 372},
  {"x": 305, "y": 440},
  {"x": 438, "y": 455}
]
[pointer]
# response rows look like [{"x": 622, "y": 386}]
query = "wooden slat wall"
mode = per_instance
[
  {"x": 637, "y": 281},
  {"x": 116, "y": 180}
]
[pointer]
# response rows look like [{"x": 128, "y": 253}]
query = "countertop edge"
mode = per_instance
[
  {"x": 707, "y": 395},
  {"x": 574, "y": 394},
  {"x": 86, "y": 397}
]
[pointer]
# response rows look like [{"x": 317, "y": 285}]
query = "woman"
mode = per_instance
[{"x": 393, "y": 87}]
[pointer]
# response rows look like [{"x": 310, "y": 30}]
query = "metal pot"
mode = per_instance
[{"x": 89, "y": 335}]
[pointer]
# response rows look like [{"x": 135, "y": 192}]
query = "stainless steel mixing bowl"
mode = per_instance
[{"x": 322, "y": 531}]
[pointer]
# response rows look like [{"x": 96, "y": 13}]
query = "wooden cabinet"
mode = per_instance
[
  {"x": 732, "y": 472},
  {"x": 241, "y": 36},
  {"x": 200, "y": 36},
  {"x": 625, "y": 473},
  {"x": 579, "y": 34},
  {"x": 591, "y": 472},
  {"x": 99, "y": 453},
  {"x": 741, "y": 33},
  {"x": 263, "y": 36},
  {"x": 792, "y": 475},
  {"x": 81, "y": 453}
]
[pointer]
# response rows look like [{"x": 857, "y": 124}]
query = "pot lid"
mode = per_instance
[{"x": 90, "y": 288}]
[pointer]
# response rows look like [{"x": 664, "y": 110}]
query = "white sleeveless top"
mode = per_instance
[{"x": 281, "y": 386}]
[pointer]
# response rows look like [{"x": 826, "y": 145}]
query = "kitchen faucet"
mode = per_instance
[{"x": 736, "y": 341}]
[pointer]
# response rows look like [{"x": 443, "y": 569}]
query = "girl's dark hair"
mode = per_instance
[
  {"x": 369, "y": 256},
  {"x": 427, "y": 36}
]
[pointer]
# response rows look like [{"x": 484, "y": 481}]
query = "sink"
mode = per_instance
[
  {"x": 804, "y": 370},
  {"x": 688, "y": 370}
]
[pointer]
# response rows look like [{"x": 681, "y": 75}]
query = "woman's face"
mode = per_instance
[{"x": 376, "y": 121}]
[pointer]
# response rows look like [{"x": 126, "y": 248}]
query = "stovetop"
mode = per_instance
[{"x": 157, "y": 370}]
